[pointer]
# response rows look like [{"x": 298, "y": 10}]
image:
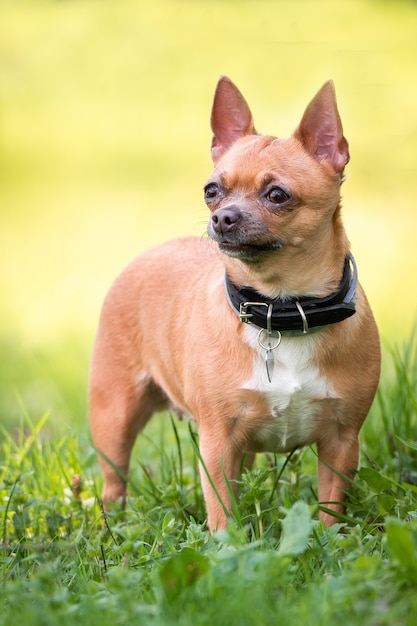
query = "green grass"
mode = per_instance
[{"x": 63, "y": 561}]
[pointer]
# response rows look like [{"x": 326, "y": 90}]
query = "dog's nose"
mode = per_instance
[{"x": 225, "y": 220}]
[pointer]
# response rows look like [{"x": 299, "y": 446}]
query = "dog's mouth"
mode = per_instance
[
  {"x": 248, "y": 251},
  {"x": 247, "y": 244}
]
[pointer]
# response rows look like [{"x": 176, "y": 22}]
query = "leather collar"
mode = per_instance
[{"x": 295, "y": 314}]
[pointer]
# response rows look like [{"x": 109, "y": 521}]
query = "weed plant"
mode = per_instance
[{"x": 63, "y": 561}]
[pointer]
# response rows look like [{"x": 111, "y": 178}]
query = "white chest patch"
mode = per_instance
[{"x": 295, "y": 393}]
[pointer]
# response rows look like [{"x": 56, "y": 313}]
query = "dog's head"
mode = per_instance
[{"x": 271, "y": 198}]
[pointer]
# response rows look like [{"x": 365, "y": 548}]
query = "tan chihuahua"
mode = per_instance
[{"x": 261, "y": 333}]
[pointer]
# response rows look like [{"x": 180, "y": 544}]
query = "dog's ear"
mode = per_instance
[
  {"x": 320, "y": 130},
  {"x": 230, "y": 117}
]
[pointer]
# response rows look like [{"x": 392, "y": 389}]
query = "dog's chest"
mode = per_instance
[{"x": 294, "y": 396}]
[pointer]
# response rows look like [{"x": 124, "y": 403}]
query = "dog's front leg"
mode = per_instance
[
  {"x": 338, "y": 459},
  {"x": 219, "y": 469}
]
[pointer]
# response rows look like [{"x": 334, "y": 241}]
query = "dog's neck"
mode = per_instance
[{"x": 299, "y": 314}]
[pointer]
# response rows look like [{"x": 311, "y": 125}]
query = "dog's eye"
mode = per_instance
[
  {"x": 211, "y": 191},
  {"x": 277, "y": 195}
]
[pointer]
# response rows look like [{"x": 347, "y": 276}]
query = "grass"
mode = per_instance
[{"x": 64, "y": 561}]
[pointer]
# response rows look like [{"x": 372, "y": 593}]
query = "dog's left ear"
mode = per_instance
[
  {"x": 320, "y": 130},
  {"x": 231, "y": 118}
]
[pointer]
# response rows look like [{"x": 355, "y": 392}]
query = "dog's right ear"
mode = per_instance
[
  {"x": 231, "y": 118},
  {"x": 320, "y": 131}
]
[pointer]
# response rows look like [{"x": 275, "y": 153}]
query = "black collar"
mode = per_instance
[{"x": 295, "y": 314}]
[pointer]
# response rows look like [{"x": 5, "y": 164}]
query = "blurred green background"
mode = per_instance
[{"x": 104, "y": 149}]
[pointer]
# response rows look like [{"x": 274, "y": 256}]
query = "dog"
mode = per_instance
[{"x": 260, "y": 332}]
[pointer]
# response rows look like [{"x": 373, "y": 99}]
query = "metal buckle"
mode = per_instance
[
  {"x": 245, "y": 316},
  {"x": 303, "y": 317}
]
